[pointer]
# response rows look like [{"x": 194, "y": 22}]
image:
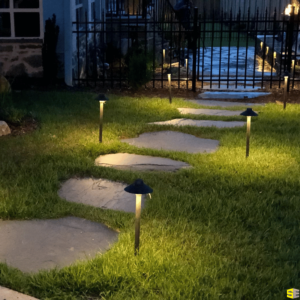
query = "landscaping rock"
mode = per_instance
[
  {"x": 4, "y": 129},
  {"x": 98, "y": 193},
  {"x": 125, "y": 161},
  {"x": 232, "y": 95},
  {"x": 224, "y": 103},
  {"x": 201, "y": 123},
  {"x": 6, "y": 294},
  {"x": 209, "y": 112},
  {"x": 4, "y": 85},
  {"x": 45, "y": 244},
  {"x": 174, "y": 141}
]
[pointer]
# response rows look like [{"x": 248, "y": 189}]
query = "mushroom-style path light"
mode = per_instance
[
  {"x": 102, "y": 100},
  {"x": 248, "y": 113},
  {"x": 138, "y": 188}
]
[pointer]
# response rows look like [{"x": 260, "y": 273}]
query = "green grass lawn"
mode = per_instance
[{"x": 226, "y": 229}]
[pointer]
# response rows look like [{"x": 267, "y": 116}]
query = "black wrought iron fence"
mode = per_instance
[{"x": 222, "y": 52}]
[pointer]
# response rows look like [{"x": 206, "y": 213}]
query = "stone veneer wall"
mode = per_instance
[{"x": 21, "y": 59}]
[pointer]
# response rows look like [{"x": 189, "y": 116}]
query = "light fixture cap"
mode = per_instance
[
  {"x": 138, "y": 187},
  {"x": 101, "y": 98},
  {"x": 249, "y": 113}
]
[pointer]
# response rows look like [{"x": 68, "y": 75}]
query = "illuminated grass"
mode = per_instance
[{"x": 226, "y": 229}]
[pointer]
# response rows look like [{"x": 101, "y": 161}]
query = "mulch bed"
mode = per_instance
[{"x": 28, "y": 125}]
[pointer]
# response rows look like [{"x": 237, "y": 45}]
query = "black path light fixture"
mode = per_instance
[
  {"x": 170, "y": 87},
  {"x": 102, "y": 100},
  {"x": 248, "y": 113},
  {"x": 138, "y": 188}
]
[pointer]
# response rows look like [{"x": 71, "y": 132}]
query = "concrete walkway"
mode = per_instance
[
  {"x": 134, "y": 162},
  {"x": 201, "y": 123},
  {"x": 209, "y": 112},
  {"x": 224, "y": 103},
  {"x": 232, "y": 95},
  {"x": 174, "y": 141},
  {"x": 6, "y": 294},
  {"x": 100, "y": 193},
  {"x": 35, "y": 245}
]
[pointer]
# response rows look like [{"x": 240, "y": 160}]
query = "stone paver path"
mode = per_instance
[
  {"x": 174, "y": 141},
  {"x": 224, "y": 103},
  {"x": 126, "y": 161},
  {"x": 209, "y": 112},
  {"x": 201, "y": 123},
  {"x": 6, "y": 294},
  {"x": 98, "y": 193},
  {"x": 231, "y": 95},
  {"x": 44, "y": 244}
]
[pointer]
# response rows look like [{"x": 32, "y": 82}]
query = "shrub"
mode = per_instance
[
  {"x": 8, "y": 112},
  {"x": 140, "y": 66}
]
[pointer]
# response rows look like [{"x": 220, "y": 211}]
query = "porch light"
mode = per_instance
[
  {"x": 164, "y": 56},
  {"x": 286, "y": 80},
  {"x": 261, "y": 45},
  {"x": 248, "y": 113},
  {"x": 102, "y": 100},
  {"x": 288, "y": 10},
  {"x": 274, "y": 55},
  {"x": 138, "y": 188},
  {"x": 170, "y": 92},
  {"x": 267, "y": 50}
]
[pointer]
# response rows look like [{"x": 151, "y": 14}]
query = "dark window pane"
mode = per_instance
[
  {"x": 5, "y": 25},
  {"x": 26, "y": 3},
  {"x": 27, "y": 24},
  {"x": 4, "y": 3},
  {"x": 78, "y": 2}
]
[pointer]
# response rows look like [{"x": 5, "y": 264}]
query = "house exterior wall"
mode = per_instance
[
  {"x": 22, "y": 59},
  {"x": 21, "y": 56}
]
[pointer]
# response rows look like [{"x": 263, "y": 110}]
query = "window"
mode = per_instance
[{"x": 21, "y": 19}]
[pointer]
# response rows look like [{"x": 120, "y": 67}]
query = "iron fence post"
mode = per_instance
[{"x": 195, "y": 37}]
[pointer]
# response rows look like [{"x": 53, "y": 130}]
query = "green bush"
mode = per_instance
[
  {"x": 140, "y": 66},
  {"x": 8, "y": 112}
]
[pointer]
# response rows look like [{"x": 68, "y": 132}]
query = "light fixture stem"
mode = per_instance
[
  {"x": 187, "y": 73},
  {"x": 286, "y": 79},
  {"x": 101, "y": 122},
  {"x": 248, "y": 136},
  {"x": 137, "y": 223},
  {"x": 170, "y": 92}
]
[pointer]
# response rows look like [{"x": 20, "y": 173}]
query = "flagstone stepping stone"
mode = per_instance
[
  {"x": 232, "y": 95},
  {"x": 175, "y": 141},
  {"x": 209, "y": 112},
  {"x": 224, "y": 103},
  {"x": 126, "y": 161},
  {"x": 6, "y": 294},
  {"x": 45, "y": 244},
  {"x": 201, "y": 123},
  {"x": 98, "y": 193}
]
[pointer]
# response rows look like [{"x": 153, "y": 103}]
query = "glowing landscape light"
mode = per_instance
[
  {"x": 170, "y": 92},
  {"x": 286, "y": 80},
  {"x": 248, "y": 113},
  {"x": 138, "y": 188},
  {"x": 102, "y": 100}
]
